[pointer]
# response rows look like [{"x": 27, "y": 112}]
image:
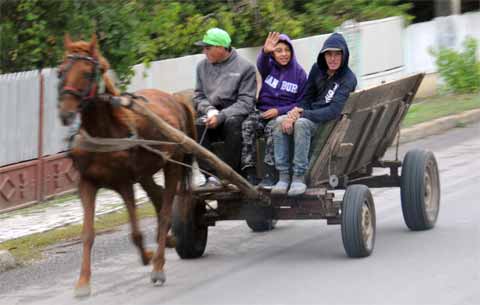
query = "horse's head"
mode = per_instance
[{"x": 79, "y": 76}]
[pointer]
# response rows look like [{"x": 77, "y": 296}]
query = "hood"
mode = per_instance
[
  {"x": 284, "y": 38},
  {"x": 335, "y": 40}
]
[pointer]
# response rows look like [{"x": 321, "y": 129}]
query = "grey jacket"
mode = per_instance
[{"x": 229, "y": 86}]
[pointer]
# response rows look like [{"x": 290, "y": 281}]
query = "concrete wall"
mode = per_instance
[
  {"x": 55, "y": 134},
  {"x": 376, "y": 54},
  {"x": 381, "y": 50}
]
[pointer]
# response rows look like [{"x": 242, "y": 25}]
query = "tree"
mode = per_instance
[
  {"x": 322, "y": 16},
  {"x": 140, "y": 31}
]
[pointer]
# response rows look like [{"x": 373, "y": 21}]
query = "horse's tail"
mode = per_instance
[{"x": 186, "y": 101}]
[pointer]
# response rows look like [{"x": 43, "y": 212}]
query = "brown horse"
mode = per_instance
[{"x": 82, "y": 75}]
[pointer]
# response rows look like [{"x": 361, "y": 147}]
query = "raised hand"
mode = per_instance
[{"x": 271, "y": 42}]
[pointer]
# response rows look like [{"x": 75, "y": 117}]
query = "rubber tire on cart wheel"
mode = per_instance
[
  {"x": 420, "y": 190},
  {"x": 260, "y": 219},
  {"x": 358, "y": 221},
  {"x": 191, "y": 236}
]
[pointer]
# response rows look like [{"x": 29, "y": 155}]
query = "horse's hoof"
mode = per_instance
[
  {"x": 158, "y": 278},
  {"x": 82, "y": 291}
]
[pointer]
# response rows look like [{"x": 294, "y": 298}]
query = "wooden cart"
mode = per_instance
[{"x": 344, "y": 155}]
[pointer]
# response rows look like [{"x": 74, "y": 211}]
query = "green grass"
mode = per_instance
[
  {"x": 28, "y": 248},
  {"x": 440, "y": 106}
]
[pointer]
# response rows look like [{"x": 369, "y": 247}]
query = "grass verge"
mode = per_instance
[
  {"x": 28, "y": 248},
  {"x": 440, "y": 106}
]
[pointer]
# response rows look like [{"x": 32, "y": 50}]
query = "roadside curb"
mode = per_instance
[
  {"x": 7, "y": 261},
  {"x": 438, "y": 126}
]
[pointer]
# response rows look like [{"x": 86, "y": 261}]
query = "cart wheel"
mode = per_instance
[
  {"x": 420, "y": 190},
  {"x": 358, "y": 221},
  {"x": 260, "y": 219},
  {"x": 191, "y": 235}
]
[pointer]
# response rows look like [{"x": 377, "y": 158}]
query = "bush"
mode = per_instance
[{"x": 459, "y": 70}]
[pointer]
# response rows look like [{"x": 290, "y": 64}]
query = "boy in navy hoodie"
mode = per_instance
[
  {"x": 283, "y": 86},
  {"x": 329, "y": 84}
]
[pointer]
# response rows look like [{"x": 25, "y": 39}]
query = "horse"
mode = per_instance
[{"x": 82, "y": 79}]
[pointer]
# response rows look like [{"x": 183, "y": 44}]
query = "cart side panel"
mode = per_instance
[{"x": 371, "y": 119}]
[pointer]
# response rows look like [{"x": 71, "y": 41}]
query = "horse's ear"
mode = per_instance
[
  {"x": 93, "y": 44},
  {"x": 67, "y": 41}
]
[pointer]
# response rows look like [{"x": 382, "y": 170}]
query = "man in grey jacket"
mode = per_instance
[{"x": 224, "y": 96}]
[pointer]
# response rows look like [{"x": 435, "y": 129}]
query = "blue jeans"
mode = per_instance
[{"x": 303, "y": 129}]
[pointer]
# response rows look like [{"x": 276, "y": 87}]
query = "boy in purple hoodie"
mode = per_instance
[{"x": 283, "y": 86}]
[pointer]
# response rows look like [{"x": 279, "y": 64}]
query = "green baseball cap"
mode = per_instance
[{"x": 215, "y": 37}]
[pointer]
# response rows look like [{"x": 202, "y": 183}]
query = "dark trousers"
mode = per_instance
[{"x": 230, "y": 132}]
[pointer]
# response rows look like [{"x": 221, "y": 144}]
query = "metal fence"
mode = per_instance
[
  {"x": 19, "y": 116},
  {"x": 32, "y": 165}
]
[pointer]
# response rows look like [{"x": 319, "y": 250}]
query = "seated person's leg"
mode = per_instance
[
  {"x": 281, "y": 143},
  {"x": 302, "y": 134},
  {"x": 269, "y": 177},
  {"x": 232, "y": 135},
  {"x": 205, "y": 137},
  {"x": 249, "y": 147}
]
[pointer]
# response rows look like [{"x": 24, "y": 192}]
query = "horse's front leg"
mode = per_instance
[
  {"x": 87, "y": 192},
  {"x": 128, "y": 196}
]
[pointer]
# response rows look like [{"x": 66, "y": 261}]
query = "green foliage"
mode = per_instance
[
  {"x": 459, "y": 70},
  {"x": 131, "y": 32},
  {"x": 323, "y": 16}
]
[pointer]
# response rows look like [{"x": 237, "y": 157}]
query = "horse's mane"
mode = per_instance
[{"x": 84, "y": 47}]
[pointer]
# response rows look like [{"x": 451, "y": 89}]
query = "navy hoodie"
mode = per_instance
[
  {"x": 325, "y": 97},
  {"x": 283, "y": 86}
]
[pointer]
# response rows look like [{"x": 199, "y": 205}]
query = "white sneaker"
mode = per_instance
[{"x": 213, "y": 181}]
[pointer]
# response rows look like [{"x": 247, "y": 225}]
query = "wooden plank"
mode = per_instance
[
  {"x": 320, "y": 168},
  {"x": 191, "y": 146}
]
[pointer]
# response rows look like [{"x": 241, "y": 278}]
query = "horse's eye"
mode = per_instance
[{"x": 59, "y": 73}]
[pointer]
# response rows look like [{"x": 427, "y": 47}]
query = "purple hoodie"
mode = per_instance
[{"x": 283, "y": 86}]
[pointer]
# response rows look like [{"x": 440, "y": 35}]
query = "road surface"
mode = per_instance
[{"x": 300, "y": 262}]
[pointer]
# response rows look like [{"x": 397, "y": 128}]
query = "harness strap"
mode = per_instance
[{"x": 97, "y": 144}]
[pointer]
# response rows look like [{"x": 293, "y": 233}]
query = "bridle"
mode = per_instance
[{"x": 91, "y": 90}]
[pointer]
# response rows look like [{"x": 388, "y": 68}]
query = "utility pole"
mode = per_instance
[{"x": 447, "y": 7}]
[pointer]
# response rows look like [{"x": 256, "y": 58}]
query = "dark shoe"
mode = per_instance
[
  {"x": 267, "y": 182},
  {"x": 298, "y": 186},
  {"x": 269, "y": 179},
  {"x": 252, "y": 179},
  {"x": 251, "y": 175},
  {"x": 281, "y": 187}
]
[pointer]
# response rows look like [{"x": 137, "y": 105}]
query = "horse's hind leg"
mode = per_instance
[
  {"x": 155, "y": 193},
  {"x": 173, "y": 174},
  {"x": 87, "y": 192},
  {"x": 127, "y": 193}
]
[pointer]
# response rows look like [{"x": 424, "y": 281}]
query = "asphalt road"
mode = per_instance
[{"x": 300, "y": 262}]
